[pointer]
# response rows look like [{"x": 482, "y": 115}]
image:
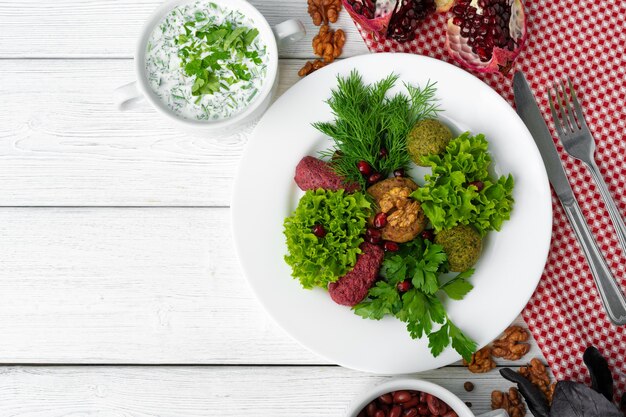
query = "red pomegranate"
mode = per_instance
[
  {"x": 395, "y": 19},
  {"x": 486, "y": 35}
]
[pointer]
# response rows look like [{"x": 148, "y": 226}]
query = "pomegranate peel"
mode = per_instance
[{"x": 486, "y": 35}]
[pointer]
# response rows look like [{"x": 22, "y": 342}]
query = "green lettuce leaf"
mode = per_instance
[
  {"x": 319, "y": 261},
  {"x": 448, "y": 198}
]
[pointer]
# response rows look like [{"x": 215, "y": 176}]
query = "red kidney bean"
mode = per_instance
[
  {"x": 400, "y": 397},
  {"x": 423, "y": 397},
  {"x": 422, "y": 409},
  {"x": 433, "y": 404},
  {"x": 450, "y": 414},
  {"x": 411, "y": 403},
  {"x": 411, "y": 412},
  {"x": 380, "y": 413},
  {"x": 386, "y": 399},
  {"x": 371, "y": 409},
  {"x": 396, "y": 411}
]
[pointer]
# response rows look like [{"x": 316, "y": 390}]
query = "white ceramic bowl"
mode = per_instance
[
  {"x": 414, "y": 384},
  {"x": 288, "y": 31}
]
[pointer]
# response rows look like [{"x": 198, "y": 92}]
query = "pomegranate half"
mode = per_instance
[
  {"x": 393, "y": 19},
  {"x": 486, "y": 35}
]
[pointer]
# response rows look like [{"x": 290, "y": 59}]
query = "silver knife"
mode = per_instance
[{"x": 612, "y": 297}]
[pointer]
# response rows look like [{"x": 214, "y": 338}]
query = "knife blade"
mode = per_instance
[
  {"x": 612, "y": 297},
  {"x": 529, "y": 112}
]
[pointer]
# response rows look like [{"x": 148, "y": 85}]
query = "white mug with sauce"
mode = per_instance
[{"x": 270, "y": 38}]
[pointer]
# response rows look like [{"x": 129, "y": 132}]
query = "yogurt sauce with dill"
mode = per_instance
[{"x": 206, "y": 62}]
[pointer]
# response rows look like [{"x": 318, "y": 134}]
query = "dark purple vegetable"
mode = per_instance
[
  {"x": 572, "y": 399},
  {"x": 601, "y": 378},
  {"x": 535, "y": 399},
  {"x": 622, "y": 403}
]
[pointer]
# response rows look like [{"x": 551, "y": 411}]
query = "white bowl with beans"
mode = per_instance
[{"x": 411, "y": 397}]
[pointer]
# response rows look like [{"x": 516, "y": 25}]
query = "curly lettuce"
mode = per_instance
[
  {"x": 318, "y": 261},
  {"x": 451, "y": 195}
]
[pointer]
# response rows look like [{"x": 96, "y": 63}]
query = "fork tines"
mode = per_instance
[{"x": 562, "y": 113}]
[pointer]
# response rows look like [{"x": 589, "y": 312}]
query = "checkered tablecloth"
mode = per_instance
[{"x": 587, "y": 41}]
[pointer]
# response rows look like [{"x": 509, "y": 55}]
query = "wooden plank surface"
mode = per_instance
[
  {"x": 109, "y": 28},
  {"x": 63, "y": 142},
  {"x": 131, "y": 285},
  {"x": 207, "y": 391}
]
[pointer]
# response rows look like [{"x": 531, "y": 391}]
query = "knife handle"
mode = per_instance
[{"x": 612, "y": 297}]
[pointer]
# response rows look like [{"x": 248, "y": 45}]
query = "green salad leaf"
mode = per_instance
[
  {"x": 318, "y": 261},
  {"x": 421, "y": 308},
  {"x": 451, "y": 196}
]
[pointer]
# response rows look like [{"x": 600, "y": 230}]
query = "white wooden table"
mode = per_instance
[{"x": 120, "y": 292}]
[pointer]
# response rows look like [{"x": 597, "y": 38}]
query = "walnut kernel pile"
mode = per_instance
[
  {"x": 510, "y": 401},
  {"x": 328, "y": 43}
]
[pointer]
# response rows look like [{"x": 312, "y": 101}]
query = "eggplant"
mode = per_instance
[
  {"x": 601, "y": 378},
  {"x": 572, "y": 399},
  {"x": 535, "y": 399}
]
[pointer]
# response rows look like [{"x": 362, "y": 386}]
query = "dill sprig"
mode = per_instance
[{"x": 367, "y": 120}]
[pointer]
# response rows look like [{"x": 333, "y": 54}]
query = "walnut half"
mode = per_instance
[
  {"x": 324, "y": 11},
  {"x": 537, "y": 373},
  {"x": 509, "y": 401},
  {"x": 509, "y": 345},
  {"x": 481, "y": 361}
]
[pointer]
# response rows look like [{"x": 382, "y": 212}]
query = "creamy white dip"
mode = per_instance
[{"x": 202, "y": 63}]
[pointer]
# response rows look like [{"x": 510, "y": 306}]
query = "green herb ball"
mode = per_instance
[
  {"x": 427, "y": 137},
  {"x": 462, "y": 244},
  {"x": 317, "y": 261}
]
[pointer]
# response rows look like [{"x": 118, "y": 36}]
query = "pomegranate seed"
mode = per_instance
[
  {"x": 404, "y": 286},
  {"x": 374, "y": 178},
  {"x": 478, "y": 184},
  {"x": 373, "y": 236},
  {"x": 428, "y": 234},
  {"x": 383, "y": 153},
  {"x": 318, "y": 230},
  {"x": 380, "y": 220},
  {"x": 364, "y": 168},
  {"x": 390, "y": 246},
  {"x": 398, "y": 173}
]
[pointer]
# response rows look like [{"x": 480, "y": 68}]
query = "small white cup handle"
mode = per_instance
[
  {"x": 127, "y": 96},
  {"x": 289, "y": 31},
  {"x": 495, "y": 413}
]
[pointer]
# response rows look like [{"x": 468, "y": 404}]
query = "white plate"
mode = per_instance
[{"x": 265, "y": 193}]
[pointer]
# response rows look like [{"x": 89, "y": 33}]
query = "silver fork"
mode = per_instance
[{"x": 578, "y": 142}]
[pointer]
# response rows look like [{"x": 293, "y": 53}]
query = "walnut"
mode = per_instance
[
  {"x": 310, "y": 67},
  {"x": 328, "y": 43},
  {"x": 397, "y": 197},
  {"x": 537, "y": 373},
  {"x": 509, "y": 346},
  {"x": 510, "y": 401},
  {"x": 481, "y": 361},
  {"x": 324, "y": 11},
  {"x": 405, "y": 215}
]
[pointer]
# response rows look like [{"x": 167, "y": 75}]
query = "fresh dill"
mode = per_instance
[{"x": 368, "y": 120}]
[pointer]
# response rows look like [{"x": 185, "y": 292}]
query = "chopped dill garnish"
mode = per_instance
[{"x": 368, "y": 120}]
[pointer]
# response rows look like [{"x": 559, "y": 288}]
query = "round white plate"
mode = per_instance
[{"x": 265, "y": 193}]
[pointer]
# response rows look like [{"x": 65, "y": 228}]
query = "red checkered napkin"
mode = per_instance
[{"x": 587, "y": 41}]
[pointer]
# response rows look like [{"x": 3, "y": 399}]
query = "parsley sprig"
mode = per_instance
[{"x": 423, "y": 263}]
